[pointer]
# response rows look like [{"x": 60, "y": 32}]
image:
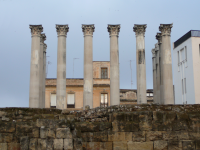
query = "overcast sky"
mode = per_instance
[{"x": 15, "y": 36}]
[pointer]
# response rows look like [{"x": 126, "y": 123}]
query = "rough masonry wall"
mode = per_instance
[{"x": 125, "y": 127}]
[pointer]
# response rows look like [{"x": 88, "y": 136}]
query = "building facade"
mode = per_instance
[
  {"x": 186, "y": 68},
  {"x": 101, "y": 90}
]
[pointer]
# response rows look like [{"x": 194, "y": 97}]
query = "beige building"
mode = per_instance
[{"x": 101, "y": 90}]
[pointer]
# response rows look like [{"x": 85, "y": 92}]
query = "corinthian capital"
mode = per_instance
[
  {"x": 45, "y": 47},
  {"x": 113, "y": 29},
  {"x": 165, "y": 29},
  {"x": 42, "y": 38},
  {"x": 62, "y": 29},
  {"x": 36, "y": 29},
  {"x": 139, "y": 29},
  {"x": 159, "y": 38},
  {"x": 88, "y": 29},
  {"x": 153, "y": 53}
]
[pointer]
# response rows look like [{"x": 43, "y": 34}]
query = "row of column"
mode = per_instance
[
  {"x": 162, "y": 66},
  {"x": 37, "y": 68}
]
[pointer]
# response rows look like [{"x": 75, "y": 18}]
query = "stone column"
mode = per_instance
[
  {"x": 141, "y": 63},
  {"x": 114, "y": 64},
  {"x": 166, "y": 65},
  {"x": 44, "y": 75},
  {"x": 42, "y": 39},
  {"x": 35, "y": 66},
  {"x": 88, "y": 65},
  {"x": 158, "y": 69},
  {"x": 61, "y": 67},
  {"x": 154, "y": 75}
]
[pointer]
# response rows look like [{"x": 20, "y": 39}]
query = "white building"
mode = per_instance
[{"x": 186, "y": 68}]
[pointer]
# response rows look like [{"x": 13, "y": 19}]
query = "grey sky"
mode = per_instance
[{"x": 15, "y": 36}]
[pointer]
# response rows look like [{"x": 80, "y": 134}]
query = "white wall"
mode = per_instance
[{"x": 185, "y": 70}]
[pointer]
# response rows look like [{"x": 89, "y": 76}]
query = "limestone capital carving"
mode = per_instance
[
  {"x": 165, "y": 29},
  {"x": 153, "y": 53},
  {"x": 62, "y": 29},
  {"x": 139, "y": 29},
  {"x": 113, "y": 29},
  {"x": 159, "y": 38},
  {"x": 36, "y": 30},
  {"x": 45, "y": 47},
  {"x": 42, "y": 38},
  {"x": 88, "y": 29},
  {"x": 156, "y": 47}
]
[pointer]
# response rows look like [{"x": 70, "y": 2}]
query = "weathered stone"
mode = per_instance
[
  {"x": 5, "y": 118},
  {"x": 91, "y": 145},
  {"x": 6, "y": 137},
  {"x": 87, "y": 137},
  {"x": 170, "y": 136},
  {"x": 77, "y": 143},
  {"x": 35, "y": 132},
  {"x": 42, "y": 144},
  {"x": 183, "y": 135},
  {"x": 188, "y": 145},
  {"x": 87, "y": 126},
  {"x": 33, "y": 145},
  {"x": 65, "y": 111},
  {"x": 153, "y": 135},
  {"x": 194, "y": 135},
  {"x": 3, "y": 146},
  {"x": 140, "y": 145},
  {"x": 106, "y": 146},
  {"x": 50, "y": 144},
  {"x": 63, "y": 133},
  {"x": 25, "y": 127},
  {"x": 125, "y": 126},
  {"x": 145, "y": 119},
  {"x": 68, "y": 144},
  {"x": 139, "y": 136},
  {"x": 2, "y": 113},
  {"x": 197, "y": 144},
  {"x": 160, "y": 145},
  {"x": 58, "y": 144},
  {"x": 100, "y": 136},
  {"x": 24, "y": 143},
  {"x": 174, "y": 145},
  {"x": 125, "y": 116},
  {"x": 119, "y": 136},
  {"x": 7, "y": 127},
  {"x": 13, "y": 146},
  {"x": 119, "y": 145},
  {"x": 43, "y": 132}
]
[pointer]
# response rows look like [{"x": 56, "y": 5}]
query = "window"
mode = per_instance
[
  {"x": 151, "y": 94},
  {"x": 104, "y": 73},
  {"x": 178, "y": 58},
  {"x": 185, "y": 53},
  {"x": 185, "y": 84},
  {"x": 70, "y": 101},
  {"x": 53, "y": 101},
  {"x": 182, "y": 87},
  {"x": 182, "y": 55},
  {"x": 104, "y": 100}
]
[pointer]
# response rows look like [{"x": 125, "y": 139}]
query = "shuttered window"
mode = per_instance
[
  {"x": 53, "y": 100},
  {"x": 104, "y": 73},
  {"x": 104, "y": 100},
  {"x": 70, "y": 101}
]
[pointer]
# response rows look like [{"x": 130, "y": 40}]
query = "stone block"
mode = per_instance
[
  {"x": 153, "y": 135},
  {"x": 36, "y": 132},
  {"x": 43, "y": 132},
  {"x": 3, "y": 146},
  {"x": 52, "y": 123},
  {"x": 125, "y": 116},
  {"x": 183, "y": 135},
  {"x": 63, "y": 133},
  {"x": 145, "y": 119},
  {"x": 50, "y": 144},
  {"x": 100, "y": 136},
  {"x": 119, "y": 145},
  {"x": 104, "y": 126},
  {"x": 139, "y": 136},
  {"x": 160, "y": 145},
  {"x": 119, "y": 136},
  {"x": 87, "y": 137},
  {"x": 92, "y": 145},
  {"x": 13, "y": 146},
  {"x": 179, "y": 125},
  {"x": 33, "y": 145},
  {"x": 7, "y": 127},
  {"x": 24, "y": 127},
  {"x": 197, "y": 144},
  {"x": 68, "y": 144},
  {"x": 106, "y": 146},
  {"x": 58, "y": 144},
  {"x": 2, "y": 113},
  {"x": 172, "y": 135},
  {"x": 125, "y": 126},
  {"x": 6, "y": 137},
  {"x": 77, "y": 144},
  {"x": 42, "y": 144},
  {"x": 140, "y": 145},
  {"x": 87, "y": 126},
  {"x": 174, "y": 145},
  {"x": 194, "y": 135},
  {"x": 24, "y": 143},
  {"x": 188, "y": 145}
]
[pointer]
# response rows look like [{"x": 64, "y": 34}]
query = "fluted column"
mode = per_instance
[
  {"x": 44, "y": 75},
  {"x": 42, "y": 39},
  {"x": 35, "y": 66},
  {"x": 61, "y": 67},
  {"x": 88, "y": 65},
  {"x": 141, "y": 62},
  {"x": 166, "y": 65},
  {"x": 114, "y": 64},
  {"x": 154, "y": 74},
  {"x": 158, "y": 69}
]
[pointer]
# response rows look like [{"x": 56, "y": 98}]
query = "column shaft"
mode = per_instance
[
  {"x": 35, "y": 66},
  {"x": 166, "y": 65},
  {"x": 154, "y": 76},
  {"x": 44, "y": 75},
  {"x": 114, "y": 64},
  {"x": 88, "y": 65},
  {"x": 61, "y": 67},
  {"x": 141, "y": 63}
]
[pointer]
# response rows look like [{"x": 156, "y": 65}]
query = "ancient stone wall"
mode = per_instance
[{"x": 125, "y": 127}]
